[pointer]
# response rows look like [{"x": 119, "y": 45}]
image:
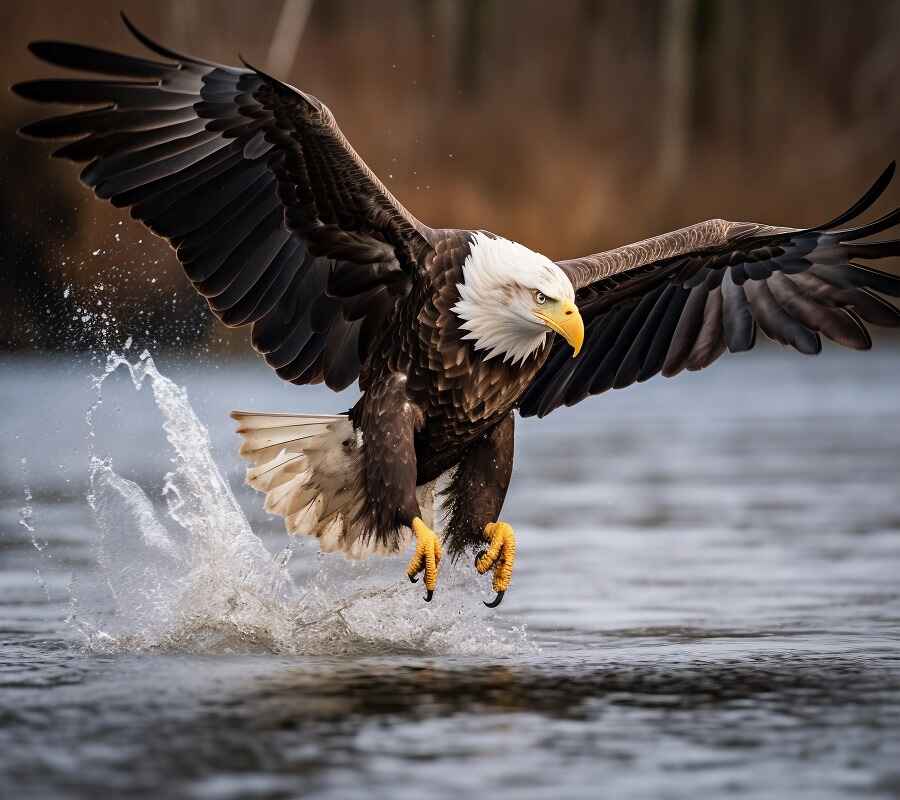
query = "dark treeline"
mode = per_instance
[{"x": 571, "y": 126}]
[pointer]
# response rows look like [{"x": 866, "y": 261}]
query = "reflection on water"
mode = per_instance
[{"x": 707, "y": 602}]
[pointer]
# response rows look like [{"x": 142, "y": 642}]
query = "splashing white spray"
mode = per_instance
[
  {"x": 209, "y": 584},
  {"x": 26, "y": 520}
]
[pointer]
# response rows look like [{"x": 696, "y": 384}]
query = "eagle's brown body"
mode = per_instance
[{"x": 453, "y": 405}]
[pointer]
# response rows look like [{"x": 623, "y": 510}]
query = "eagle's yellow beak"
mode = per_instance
[{"x": 564, "y": 318}]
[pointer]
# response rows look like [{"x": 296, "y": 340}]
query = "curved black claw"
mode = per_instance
[
  {"x": 429, "y": 594},
  {"x": 479, "y": 555},
  {"x": 412, "y": 579},
  {"x": 496, "y": 601}
]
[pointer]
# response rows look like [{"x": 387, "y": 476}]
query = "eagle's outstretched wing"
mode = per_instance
[
  {"x": 678, "y": 301},
  {"x": 275, "y": 218}
]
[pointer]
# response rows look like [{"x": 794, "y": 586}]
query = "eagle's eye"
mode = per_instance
[{"x": 540, "y": 298}]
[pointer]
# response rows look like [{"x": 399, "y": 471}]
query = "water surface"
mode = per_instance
[{"x": 706, "y": 601}]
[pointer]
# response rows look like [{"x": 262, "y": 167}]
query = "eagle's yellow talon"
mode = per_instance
[
  {"x": 500, "y": 555},
  {"x": 427, "y": 557}
]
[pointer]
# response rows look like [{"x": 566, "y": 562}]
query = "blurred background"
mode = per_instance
[
  {"x": 572, "y": 127},
  {"x": 706, "y": 600}
]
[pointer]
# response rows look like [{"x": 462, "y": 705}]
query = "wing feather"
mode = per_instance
[
  {"x": 636, "y": 355},
  {"x": 679, "y": 301},
  {"x": 664, "y": 333},
  {"x": 710, "y": 341},
  {"x": 737, "y": 316},
  {"x": 254, "y": 185},
  {"x": 686, "y": 331}
]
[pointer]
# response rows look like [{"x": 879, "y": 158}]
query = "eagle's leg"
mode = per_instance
[
  {"x": 389, "y": 421},
  {"x": 475, "y": 496}
]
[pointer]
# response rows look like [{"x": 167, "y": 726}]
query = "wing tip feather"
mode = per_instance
[
  {"x": 164, "y": 51},
  {"x": 866, "y": 200}
]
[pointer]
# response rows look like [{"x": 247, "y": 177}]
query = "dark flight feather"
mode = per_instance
[
  {"x": 246, "y": 177},
  {"x": 664, "y": 333},
  {"x": 865, "y": 202},
  {"x": 776, "y": 323},
  {"x": 104, "y": 62},
  {"x": 268, "y": 292},
  {"x": 634, "y": 358},
  {"x": 710, "y": 341},
  {"x": 733, "y": 279},
  {"x": 686, "y": 331},
  {"x": 737, "y": 317}
]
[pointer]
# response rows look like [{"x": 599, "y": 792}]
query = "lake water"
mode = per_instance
[{"x": 706, "y": 600}]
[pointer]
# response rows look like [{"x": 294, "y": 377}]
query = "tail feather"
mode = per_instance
[{"x": 309, "y": 466}]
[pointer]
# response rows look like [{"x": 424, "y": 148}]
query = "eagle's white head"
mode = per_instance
[{"x": 512, "y": 297}]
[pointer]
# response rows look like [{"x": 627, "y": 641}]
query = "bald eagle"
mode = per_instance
[{"x": 280, "y": 225}]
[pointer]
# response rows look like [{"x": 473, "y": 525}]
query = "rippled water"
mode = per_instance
[{"x": 706, "y": 603}]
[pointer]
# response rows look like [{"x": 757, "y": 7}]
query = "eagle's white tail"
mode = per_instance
[{"x": 309, "y": 466}]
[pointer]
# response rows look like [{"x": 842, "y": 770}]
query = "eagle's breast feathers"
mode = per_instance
[{"x": 459, "y": 383}]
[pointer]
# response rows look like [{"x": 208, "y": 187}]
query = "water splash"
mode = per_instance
[
  {"x": 26, "y": 520},
  {"x": 194, "y": 576},
  {"x": 26, "y": 512}
]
